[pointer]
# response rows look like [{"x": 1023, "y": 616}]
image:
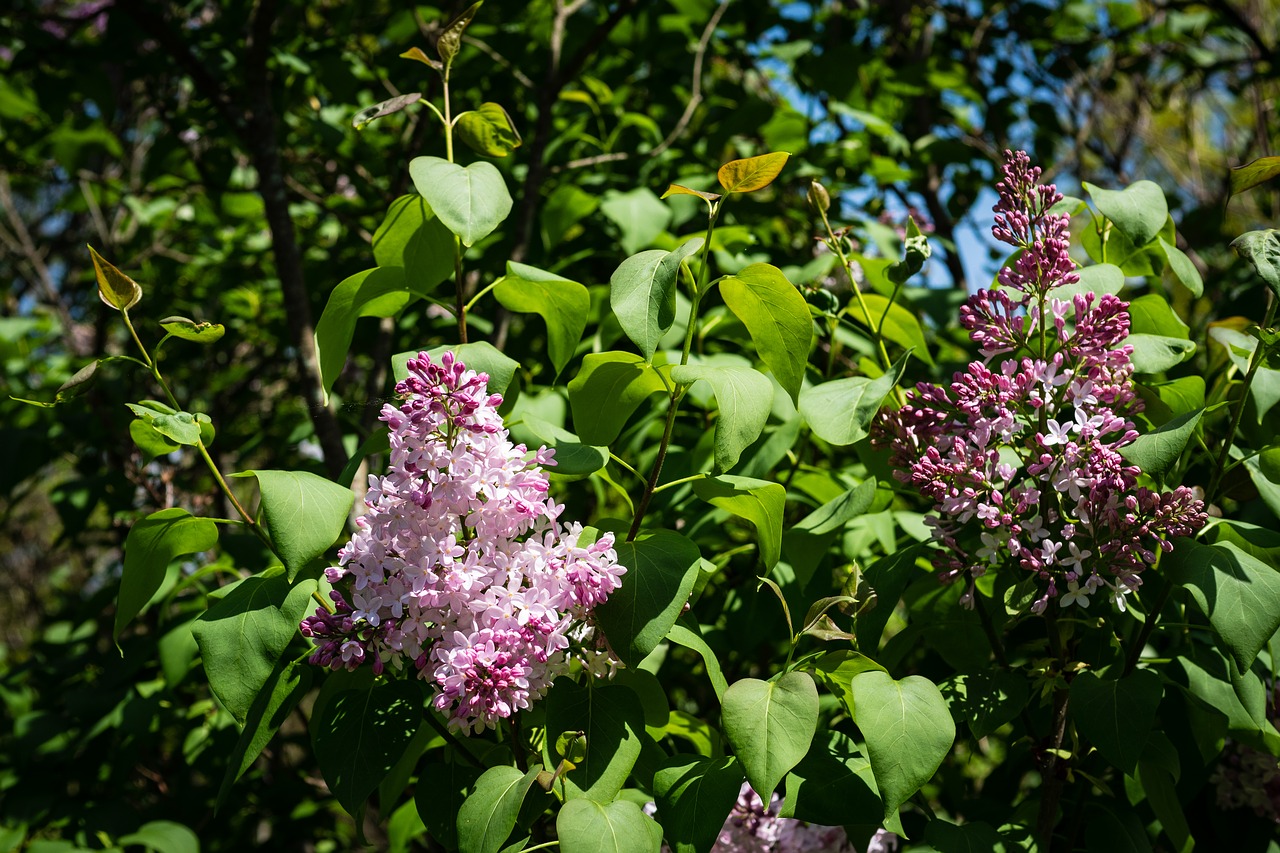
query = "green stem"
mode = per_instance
[
  {"x": 471, "y": 302},
  {"x": 1254, "y": 363},
  {"x": 544, "y": 845},
  {"x": 652, "y": 483},
  {"x": 682, "y": 480},
  {"x": 1144, "y": 633},
  {"x": 623, "y": 464},
  {"x": 204, "y": 452},
  {"x": 834, "y": 244}
]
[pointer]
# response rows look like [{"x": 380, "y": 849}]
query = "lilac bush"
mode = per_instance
[
  {"x": 461, "y": 568},
  {"x": 1022, "y": 456}
]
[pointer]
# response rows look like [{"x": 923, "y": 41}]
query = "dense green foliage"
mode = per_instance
[{"x": 231, "y": 159}]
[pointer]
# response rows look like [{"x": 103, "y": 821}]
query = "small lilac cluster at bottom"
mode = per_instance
[
  {"x": 753, "y": 827},
  {"x": 1247, "y": 778},
  {"x": 461, "y": 569}
]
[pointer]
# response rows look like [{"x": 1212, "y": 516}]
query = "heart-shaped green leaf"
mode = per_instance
[
  {"x": 471, "y": 201},
  {"x": 487, "y": 816},
  {"x": 770, "y": 724},
  {"x": 1139, "y": 210},
  {"x": 1252, "y": 174},
  {"x": 642, "y": 294},
  {"x": 153, "y": 543},
  {"x": 562, "y": 303},
  {"x": 758, "y": 501},
  {"x": 1116, "y": 715},
  {"x": 694, "y": 796},
  {"x": 584, "y": 826},
  {"x": 1262, "y": 250},
  {"x": 661, "y": 568},
  {"x": 745, "y": 398},
  {"x": 488, "y": 130},
  {"x": 368, "y": 115},
  {"x": 190, "y": 330},
  {"x": 114, "y": 287},
  {"x": 607, "y": 390},
  {"x": 841, "y": 410},
  {"x": 908, "y": 731},
  {"x": 305, "y": 514}
]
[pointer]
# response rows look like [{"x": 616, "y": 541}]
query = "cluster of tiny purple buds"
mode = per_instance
[
  {"x": 1021, "y": 457},
  {"x": 460, "y": 568}
]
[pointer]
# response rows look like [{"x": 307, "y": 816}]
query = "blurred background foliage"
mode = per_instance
[{"x": 208, "y": 149}]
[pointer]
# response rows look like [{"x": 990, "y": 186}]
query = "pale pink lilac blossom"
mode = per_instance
[
  {"x": 1021, "y": 454},
  {"x": 461, "y": 569},
  {"x": 753, "y": 827}
]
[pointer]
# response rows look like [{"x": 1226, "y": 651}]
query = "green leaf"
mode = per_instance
[
  {"x": 770, "y": 725},
  {"x": 889, "y": 577},
  {"x": 487, "y": 130},
  {"x": 242, "y": 637},
  {"x": 1095, "y": 278},
  {"x": 438, "y": 804},
  {"x": 758, "y": 501},
  {"x": 1239, "y": 593},
  {"x": 563, "y": 212},
  {"x": 379, "y": 292},
  {"x": 776, "y": 316},
  {"x": 114, "y": 287},
  {"x": 584, "y": 826},
  {"x": 1139, "y": 210},
  {"x": 1253, "y": 174},
  {"x": 677, "y": 189},
  {"x": 694, "y": 796},
  {"x": 840, "y": 410},
  {"x": 162, "y": 836},
  {"x": 368, "y": 115},
  {"x": 908, "y": 731},
  {"x": 1116, "y": 715},
  {"x": 150, "y": 441},
  {"x": 1265, "y": 388},
  {"x": 471, "y": 201},
  {"x": 450, "y": 41},
  {"x": 607, "y": 390},
  {"x": 1158, "y": 784},
  {"x": 1151, "y": 314},
  {"x": 359, "y": 734},
  {"x": 639, "y": 215},
  {"x": 190, "y": 330},
  {"x": 1156, "y": 353},
  {"x": 1183, "y": 270},
  {"x": 1262, "y": 250},
  {"x": 661, "y": 568},
  {"x": 1157, "y": 451},
  {"x": 1114, "y": 830},
  {"x": 152, "y": 544},
  {"x": 562, "y": 303},
  {"x": 833, "y": 785},
  {"x": 480, "y": 356},
  {"x": 487, "y": 816},
  {"x": 745, "y": 398},
  {"x": 686, "y": 633},
  {"x": 642, "y": 294},
  {"x": 900, "y": 325},
  {"x": 988, "y": 699},
  {"x": 613, "y": 721},
  {"x": 305, "y": 514},
  {"x": 412, "y": 238},
  {"x": 839, "y": 511},
  {"x": 279, "y": 696},
  {"x": 753, "y": 173}
]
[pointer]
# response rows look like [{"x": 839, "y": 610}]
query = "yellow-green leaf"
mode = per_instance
[
  {"x": 1250, "y": 175},
  {"x": 676, "y": 189},
  {"x": 114, "y": 287},
  {"x": 753, "y": 173}
]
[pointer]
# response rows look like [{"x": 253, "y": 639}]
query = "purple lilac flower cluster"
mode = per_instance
[
  {"x": 460, "y": 566},
  {"x": 1250, "y": 778},
  {"x": 1021, "y": 457},
  {"x": 753, "y": 827}
]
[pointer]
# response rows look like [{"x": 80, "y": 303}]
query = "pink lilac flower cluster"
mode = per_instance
[
  {"x": 1021, "y": 456},
  {"x": 460, "y": 567},
  {"x": 1250, "y": 778},
  {"x": 753, "y": 827}
]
